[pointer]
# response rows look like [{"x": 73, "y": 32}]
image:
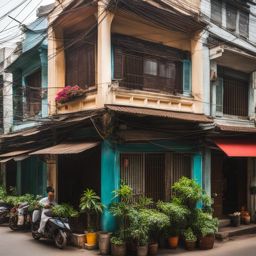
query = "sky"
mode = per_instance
[{"x": 23, "y": 11}]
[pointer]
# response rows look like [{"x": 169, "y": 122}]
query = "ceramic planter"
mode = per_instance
[
  {"x": 206, "y": 242},
  {"x": 173, "y": 242},
  {"x": 118, "y": 250},
  {"x": 142, "y": 250},
  {"x": 153, "y": 249},
  {"x": 235, "y": 220},
  {"x": 91, "y": 238},
  {"x": 190, "y": 245},
  {"x": 104, "y": 243}
]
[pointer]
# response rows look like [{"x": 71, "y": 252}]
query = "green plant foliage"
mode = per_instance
[
  {"x": 144, "y": 202},
  {"x": 3, "y": 194},
  {"x": 64, "y": 211},
  {"x": 91, "y": 204},
  {"x": 189, "y": 235},
  {"x": 204, "y": 223},
  {"x": 117, "y": 240},
  {"x": 125, "y": 193}
]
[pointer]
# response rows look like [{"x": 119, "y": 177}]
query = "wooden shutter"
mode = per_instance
[
  {"x": 187, "y": 77},
  {"x": 231, "y": 17},
  {"x": 216, "y": 11},
  {"x": 244, "y": 24},
  {"x": 118, "y": 63},
  {"x": 219, "y": 97}
]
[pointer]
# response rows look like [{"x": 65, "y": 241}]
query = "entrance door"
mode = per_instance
[{"x": 235, "y": 189}]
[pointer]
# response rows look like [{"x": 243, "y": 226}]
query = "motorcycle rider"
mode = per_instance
[{"x": 46, "y": 203}]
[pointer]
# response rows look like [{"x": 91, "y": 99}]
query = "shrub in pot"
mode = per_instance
[
  {"x": 90, "y": 204},
  {"x": 190, "y": 239},
  {"x": 157, "y": 222},
  {"x": 178, "y": 215},
  {"x": 235, "y": 219},
  {"x": 118, "y": 246},
  {"x": 205, "y": 226}
]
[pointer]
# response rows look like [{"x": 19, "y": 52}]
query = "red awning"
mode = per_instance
[{"x": 237, "y": 147}]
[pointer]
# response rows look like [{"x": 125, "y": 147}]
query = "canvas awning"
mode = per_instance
[
  {"x": 3, "y": 161},
  {"x": 66, "y": 148},
  {"x": 237, "y": 147}
]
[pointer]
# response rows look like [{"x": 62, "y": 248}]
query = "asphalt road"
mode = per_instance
[{"x": 22, "y": 244}]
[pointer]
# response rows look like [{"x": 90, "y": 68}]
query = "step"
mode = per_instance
[
  {"x": 224, "y": 223},
  {"x": 225, "y": 233}
]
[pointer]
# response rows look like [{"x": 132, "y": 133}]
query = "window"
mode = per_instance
[
  {"x": 150, "y": 67},
  {"x": 231, "y": 17},
  {"x": 33, "y": 93},
  {"x": 152, "y": 174},
  {"x": 159, "y": 71},
  {"x": 216, "y": 11},
  {"x": 244, "y": 24}
]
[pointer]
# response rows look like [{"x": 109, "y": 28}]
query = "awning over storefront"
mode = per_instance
[
  {"x": 3, "y": 161},
  {"x": 15, "y": 153},
  {"x": 237, "y": 147},
  {"x": 66, "y": 148}
]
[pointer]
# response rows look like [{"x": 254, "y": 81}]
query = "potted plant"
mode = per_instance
[
  {"x": 205, "y": 226},
  {"x": 157, "y": 222},
  {"x": 64, "y": 211},
  {"x": 118, "y": 246},
  {"x": 90, "y": 204},
  {"x": 235, "y": 219},
  {"x": 178, "y": 217},
  {"x": 69, "y": 93},
  {"x": 190, "y": 239}
]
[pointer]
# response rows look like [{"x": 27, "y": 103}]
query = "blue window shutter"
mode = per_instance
[{"x": 187, "y": 87}]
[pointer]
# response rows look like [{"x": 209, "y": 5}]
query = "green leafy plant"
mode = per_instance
[
  {"x": 144, "y": 202},
  {"x": 204, "y": 224},
  {"x": 3, "y": 194},
  {"x": 189, "y": 235},
  {"x": 125, "y": 193},
  {"x": 64, "y": 211},
  {"x": 177, "y": 214},
  {"x": 90, "y": 204},
  {"x": 117, "y": 240}
]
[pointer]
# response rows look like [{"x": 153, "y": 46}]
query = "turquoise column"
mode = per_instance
[
  {"x": 197, "y": 170},
  {"x": 110, "y": 180}
]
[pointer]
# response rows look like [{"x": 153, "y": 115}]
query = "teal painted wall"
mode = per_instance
[{"x": 110, "y": 180}]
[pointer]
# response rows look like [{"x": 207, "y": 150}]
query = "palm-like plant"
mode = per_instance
[{"x": 90, "y": 203}]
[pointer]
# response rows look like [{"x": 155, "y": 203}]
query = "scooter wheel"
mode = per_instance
[
  {"x": 36, "y": 235},
  {"x": 13, "y": 223},
  {"x": 60, "y": 239}
]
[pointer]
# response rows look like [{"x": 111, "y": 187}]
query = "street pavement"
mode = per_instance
[{"x": 22, "y": 244}]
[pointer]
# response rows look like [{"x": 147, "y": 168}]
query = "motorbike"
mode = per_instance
[
  {"x": 56, "y": 229},
  {"x": 20, "y": 218},
  {"x": 4, "y": 212}
]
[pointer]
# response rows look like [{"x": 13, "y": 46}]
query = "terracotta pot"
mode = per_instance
[
  {"x": 153, "y": 249},
  {"x": 91, "y": 238},
  {"x": 247, "y": 220},
  {"x": 142, "y": 250},
  {"x": 206, "y": 242},
  {"x": 190, "y": 245},
  {"x": 118, "y": 250},
  {"x": 104, "y": 243},
  {"x": 173, "y": 242}
]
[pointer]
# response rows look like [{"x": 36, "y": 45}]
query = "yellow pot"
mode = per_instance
[{"x": 91, "y": 238}]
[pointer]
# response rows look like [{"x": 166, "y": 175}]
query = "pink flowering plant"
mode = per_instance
[{"x": 69, "y": 93}]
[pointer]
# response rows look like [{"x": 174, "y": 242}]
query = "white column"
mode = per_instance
[{"x": 104, "y": 69}]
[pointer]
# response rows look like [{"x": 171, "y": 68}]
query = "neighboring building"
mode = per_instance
[
  {"x": 25, "y": 104},
  {"x": 232, "y": 43}
]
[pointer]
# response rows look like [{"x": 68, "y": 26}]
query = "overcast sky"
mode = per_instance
[{"x": 25, "y": 13}]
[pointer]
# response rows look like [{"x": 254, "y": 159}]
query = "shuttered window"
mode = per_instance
[
  {"x": 244, "y": 24},
  {"x": 231, "y": 13},
  {"x": 235, "y": 96},
  {"x": 187, "y": 77},
  {"x": 150, "y": 174},
  {"x": 80, "y": 65},
  {"x": 33, "y": 94},
  {"x": 219, "y": 97},
  {"x": 216, "y": 11}
]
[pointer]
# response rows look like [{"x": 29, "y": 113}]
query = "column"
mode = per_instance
[
  {"x": 207, "y": 172},
  {"x": 18, "y": 178},
  {"x": 110, "y": 181},
  {"x": 197, "y": 172},
  {"x": 44, "y": 80},
  {"x": 104, "y": 77}
]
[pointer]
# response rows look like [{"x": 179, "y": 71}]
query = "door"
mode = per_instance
[{"x": 217, "y": 183}]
